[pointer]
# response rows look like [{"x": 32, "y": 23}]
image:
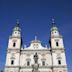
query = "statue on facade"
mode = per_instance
[
  {"x": 36, "y": 65},
  {"x": 36, "y": 58}
]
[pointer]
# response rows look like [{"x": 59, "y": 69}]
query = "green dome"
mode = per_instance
[
  {"x": 54, "y": 28},
  {"x": 17, "y": 28}
]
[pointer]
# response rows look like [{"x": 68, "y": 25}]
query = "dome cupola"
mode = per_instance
[{"x": 17, "y": 30}]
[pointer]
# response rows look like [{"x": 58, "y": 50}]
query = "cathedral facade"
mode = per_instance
[{"x": 35, "y": 58}]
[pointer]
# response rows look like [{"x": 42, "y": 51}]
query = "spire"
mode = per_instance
[
  {"x": 16, "y": 30},
  {"x": 54, "y": 29},
  {"x": 17, "y": 27}
]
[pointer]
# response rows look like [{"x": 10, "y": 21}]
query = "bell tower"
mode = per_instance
[
  {"x": 56, "y": 38},
  {"x": 15, "y": 38},
  {"x": 13, "y": 50},
  {"x": 57, "y": 50}
]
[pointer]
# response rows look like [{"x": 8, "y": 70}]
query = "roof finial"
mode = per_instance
[
  {"x": 35, "y": 38},
  {"x": 53, "y": 20},
  {"x": 17, "y": 21}
]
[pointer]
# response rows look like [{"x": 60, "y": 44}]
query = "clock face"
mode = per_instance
[{"x": 35, "y": 45}]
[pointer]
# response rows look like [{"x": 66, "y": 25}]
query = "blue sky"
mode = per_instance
[{"x": 35, "y": 20}]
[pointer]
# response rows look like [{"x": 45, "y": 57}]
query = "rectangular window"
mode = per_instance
[
  {"x": 28, "y": 63},
  {"x": 43, "y": 63},
  {"x": 59, "y": 62}
]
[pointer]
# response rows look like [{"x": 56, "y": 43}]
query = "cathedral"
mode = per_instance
[{"x": 35, "y": 57}]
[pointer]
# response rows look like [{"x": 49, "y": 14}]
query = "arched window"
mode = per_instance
[
  {"x": 12, "y": 62},
  {"x": 59, "y": 62},
  {"x": 57, "y": 44},
  {"x": 14, "y": 44}
]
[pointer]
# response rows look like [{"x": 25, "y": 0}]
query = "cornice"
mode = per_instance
[
  {"x": 10, "y": 37},
  {"x": 54, "y": 50},
  {"x": 27, "y": 67},
  {"x": 62, "y": 66},
  {"x": 31, "y": 51},
  {"x": 56, "y": 36},
  {"x": 15, "y": 50},
  {"x": 39, "y": 67},
  {"x": 57, "y": 48},
  {"x": 37, "y": 50},
  {"x": 12, "y": 66}
]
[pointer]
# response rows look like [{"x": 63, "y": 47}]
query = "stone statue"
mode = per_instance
[
  {"x": 36, "y": 58},
  {"x": 36, "y": 65}
]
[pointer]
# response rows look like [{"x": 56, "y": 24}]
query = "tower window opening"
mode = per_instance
[
  {"x": 15, "y": 32},
  {"x": 28, "y": 63},
  {"x": 14, "y": 44},
  {"x": 12, "y": 62},
  {"x": 57, "y": 44},
  {"x": 55, "y": 31},
  {"x": 43, "y": 63},
  {"x": 59, "y": 62}
]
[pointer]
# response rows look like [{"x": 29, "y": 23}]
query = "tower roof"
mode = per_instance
[
  {"x": 54, "y": 27},
  {"x": 17, "y": 27}
]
